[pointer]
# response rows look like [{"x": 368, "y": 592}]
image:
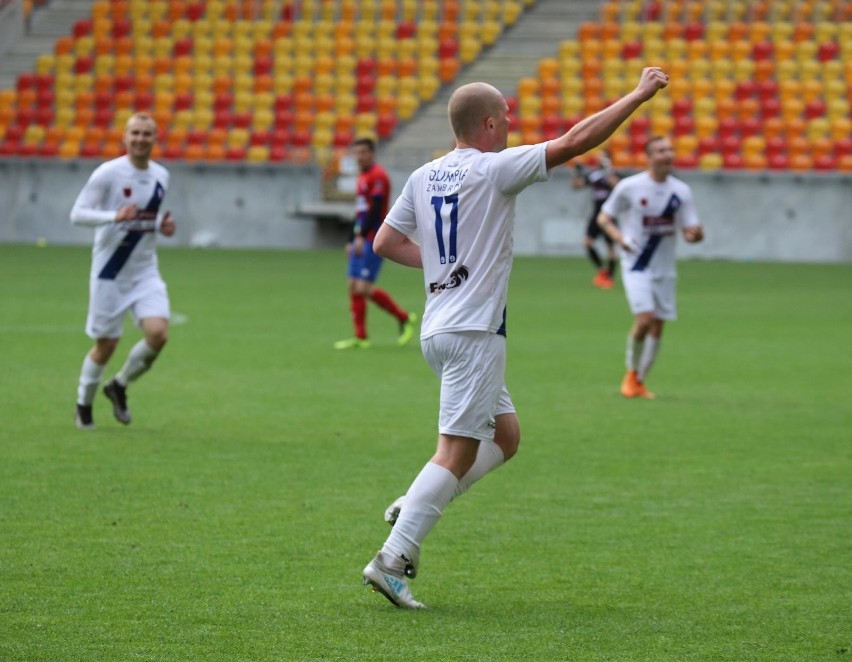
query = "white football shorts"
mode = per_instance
[
  {"x": 111, "y": 300},
  {"x": 647, "y": 293},
  {"x": 471, "y": 367}
]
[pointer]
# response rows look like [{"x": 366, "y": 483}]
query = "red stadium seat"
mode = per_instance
[
  {"x": 277, "y": 153},
  {"x": 732, "y": 161},
  {"x": 241, "y": 119},
  {"x": 300, "y": 138},
  {"x": 183, "y": 46},
  {"x": 778, "y": 161},
  {"x": 49, "y": 150},
  {"x": 82, "y": 28},
  {"x": 386, "y": 125},
  {"x": 259, "y": 138},
  {"x": 814, "y": 109},
  {"x": 345, "y": 138},
  {"x": 709, "y": 145}
]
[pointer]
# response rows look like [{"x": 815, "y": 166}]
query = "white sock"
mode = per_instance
[
  {"x": 425, "y": 500},
  {"x": 649, "y": 355},
  {"x": 634, "y": 352},
  {"x": 138, "y": 361},
  {"x": 90, "y": 377},
  {"x": 489, "y": 456}
]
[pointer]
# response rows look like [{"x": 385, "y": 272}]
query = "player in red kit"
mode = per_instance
[{"x": 373, "y": 194}]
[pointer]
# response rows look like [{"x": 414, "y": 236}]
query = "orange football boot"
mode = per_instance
[
  {"x": 643, "y": 392},
  {"x": 601, "y": 279},
  {"x": 630, "y": 385}
]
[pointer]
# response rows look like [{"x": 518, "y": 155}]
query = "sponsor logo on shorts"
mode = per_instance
[{"x": 457, "y": 277}]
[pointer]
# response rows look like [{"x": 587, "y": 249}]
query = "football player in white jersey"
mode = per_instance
[
  {"x": 455, "y": 221},
  {"x": 122, "y": 202},
  {"x": 650, "y": 208}
]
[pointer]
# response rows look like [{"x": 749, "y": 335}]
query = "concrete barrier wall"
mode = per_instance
[
  {"x": 223, "y": 206},
  {"x": 747, "y": 216}
]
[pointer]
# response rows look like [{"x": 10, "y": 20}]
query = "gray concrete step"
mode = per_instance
[{"x": 46, "y": 25}]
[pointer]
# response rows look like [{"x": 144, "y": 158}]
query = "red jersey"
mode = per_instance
[{"x": 371, "y": 202}]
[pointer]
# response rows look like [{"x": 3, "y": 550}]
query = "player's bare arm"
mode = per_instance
[
  {"x": 693, "y": 234},
  {"x": 607, "y": 224},
  {"x": 358, "y": 245},
  {"x": 594, "y": 130},
  {"x": 394, "y": 245},
  {"x": 167, "y": 225}
]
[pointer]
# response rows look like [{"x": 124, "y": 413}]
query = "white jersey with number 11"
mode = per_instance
[{"x": 460, "y": 209}]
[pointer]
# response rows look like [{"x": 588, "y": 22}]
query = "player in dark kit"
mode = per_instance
[
  {"x": 601, "y": 181},
  {"x": 373, "y": 193}
]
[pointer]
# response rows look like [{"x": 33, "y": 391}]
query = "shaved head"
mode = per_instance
[
  {"x": 141, "y": 117},
  {"x": 470, "y": 107}
]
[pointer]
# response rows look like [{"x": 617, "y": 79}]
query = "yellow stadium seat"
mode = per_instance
[
  {"x": 572, "y": 105},
  {"x": 529, "y": 106},
  {"x": 610, "y": 68},
  {"x": 69, "y": 149},
  {"x": 428, "y": 87},
  {"x": 512, "y": 9},
  {"x": 569, "y": 49},
  {"x": 183, "y": 119},
  {"x": 237, "y": 137},
  {"x": 837, "y": 109},
  {"x": 654, "y": 50},
  {"x": 469, "y": 50},
  {"x": 685, "y": 145},
  {"x": 571, "y": 86},
  {"x": 743, "y": 70},
  {"x": 631, "y": 31},
  {"x": 365, "y": 123},
  {"x": 257, "y": 154},
  {"x": 662, "y": 124},
  {"x": 812, "y": 90}
]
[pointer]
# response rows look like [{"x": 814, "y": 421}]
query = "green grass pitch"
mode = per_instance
[{"x": 232, "y": 519}]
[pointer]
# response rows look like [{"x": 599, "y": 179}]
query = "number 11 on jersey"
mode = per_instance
[{"x": 438, "y": 203}]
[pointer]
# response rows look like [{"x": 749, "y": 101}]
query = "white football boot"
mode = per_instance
[{"x": 391, "y": 582}]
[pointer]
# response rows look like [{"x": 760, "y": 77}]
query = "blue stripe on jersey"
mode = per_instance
[
  {"x": 647, "y": 253},
  {"x": 437, "y": 203},
  {"x": 672, "y": 207},
  {"x": 502, "y": 330},
  {"x": 156, "y": 198},
  {"x": 654, "y": 241},
  {"x": 119, "y": 258},
  {"x": 454, "y": 224}
]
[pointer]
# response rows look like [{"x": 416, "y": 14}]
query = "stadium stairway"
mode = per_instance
[
  {"x": 536, "y": 34},
  {"x": 47, "y": 24}
]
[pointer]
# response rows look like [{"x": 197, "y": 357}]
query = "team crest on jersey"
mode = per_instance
[{"x": 127, "y": 191}]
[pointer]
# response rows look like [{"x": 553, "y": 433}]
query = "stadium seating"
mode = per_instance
[
  {"x": 754, "y": 85},
  {"x": 255, "y": 80}
]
